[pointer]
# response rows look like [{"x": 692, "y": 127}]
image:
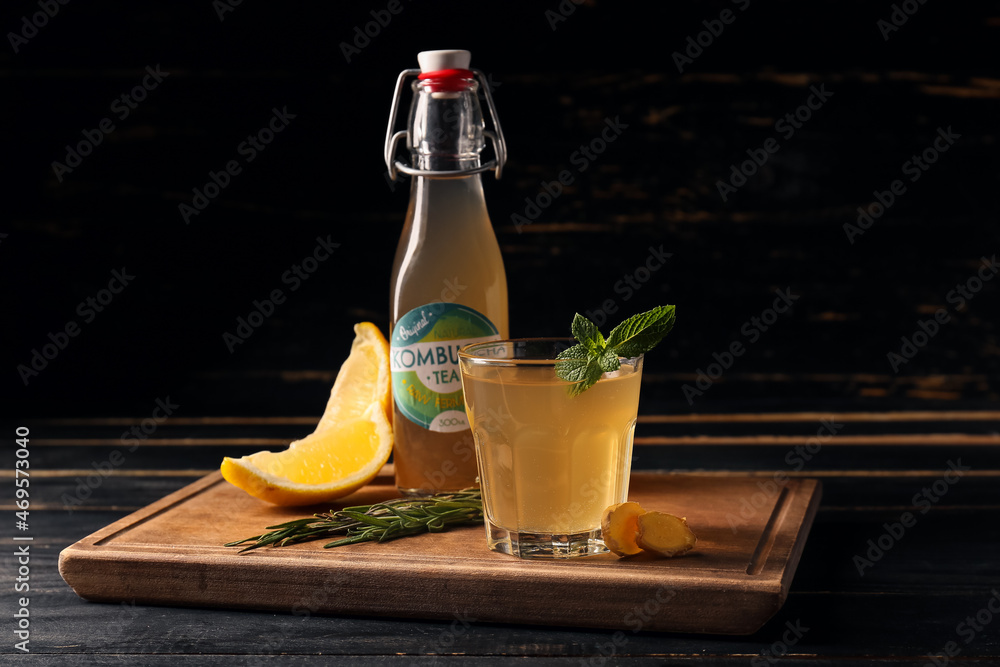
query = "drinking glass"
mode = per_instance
[{"x": 549, "y": 462}]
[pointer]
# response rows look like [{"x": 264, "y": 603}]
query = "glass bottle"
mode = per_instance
[{"x": 448, "y": 286}]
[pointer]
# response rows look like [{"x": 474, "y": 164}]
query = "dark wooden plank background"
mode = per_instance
[{"x": 656, "y": 185}]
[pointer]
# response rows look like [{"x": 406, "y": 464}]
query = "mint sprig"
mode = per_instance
[{"x": 593, "y": 355}]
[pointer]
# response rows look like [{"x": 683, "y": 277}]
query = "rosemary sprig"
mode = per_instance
[{"x": 376, "y": 523}]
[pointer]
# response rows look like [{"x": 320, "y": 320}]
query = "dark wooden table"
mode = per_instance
[{"x": 921, "y": 589}]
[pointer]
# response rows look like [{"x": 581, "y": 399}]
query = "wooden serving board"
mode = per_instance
[{"x": 749, "y": 543}]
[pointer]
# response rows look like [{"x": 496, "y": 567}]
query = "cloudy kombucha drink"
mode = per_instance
[{"x": 549, "y": 462}]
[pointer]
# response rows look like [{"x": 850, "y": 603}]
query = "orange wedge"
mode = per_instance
[
  {"x": 363, "y": 380},
  {"x": 351, "y": 443}
]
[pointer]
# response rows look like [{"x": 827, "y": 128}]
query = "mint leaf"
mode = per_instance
[
  {"x": 591, "y": 374},
  {"x": 641, "y": 333},
  {"x": 609, "y": 361},
  {"x": 575, "y": 352},
  {"x": 584, "y": 363},
  {"x": 572, "y": 370},
  {"x": 582, "y": 372},
  {"x": 587, "y": 333}
]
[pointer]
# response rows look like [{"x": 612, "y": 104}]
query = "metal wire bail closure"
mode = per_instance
[{"x": 392, "y": 138}]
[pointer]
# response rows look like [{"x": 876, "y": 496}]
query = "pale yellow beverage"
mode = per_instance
[
  {"x": 549, "y": 462},
  {"x": 448, "y": 273}
]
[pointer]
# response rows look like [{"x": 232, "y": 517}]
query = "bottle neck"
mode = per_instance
[
  {"x": 445, "y": 126},
  {"x": 444, "y": 163}
]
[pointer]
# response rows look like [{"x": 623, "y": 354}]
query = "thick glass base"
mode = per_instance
[{"x": 544, "y": 545}]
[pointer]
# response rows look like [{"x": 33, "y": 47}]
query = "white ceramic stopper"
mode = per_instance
[{"x": 432, "y": 61}]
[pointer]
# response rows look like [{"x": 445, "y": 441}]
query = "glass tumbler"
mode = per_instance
[{"x": 550, "y": 462}]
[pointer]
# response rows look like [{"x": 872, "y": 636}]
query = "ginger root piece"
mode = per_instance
[
  {"x": 620, "y": 527},
  {"x": 664, "y": 534}
]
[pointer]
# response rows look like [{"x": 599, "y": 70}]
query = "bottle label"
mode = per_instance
[{"x": 426, "y": 378}]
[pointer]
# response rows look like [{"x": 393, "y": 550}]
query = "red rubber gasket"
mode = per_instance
[{"x": 447, "y": 80}]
